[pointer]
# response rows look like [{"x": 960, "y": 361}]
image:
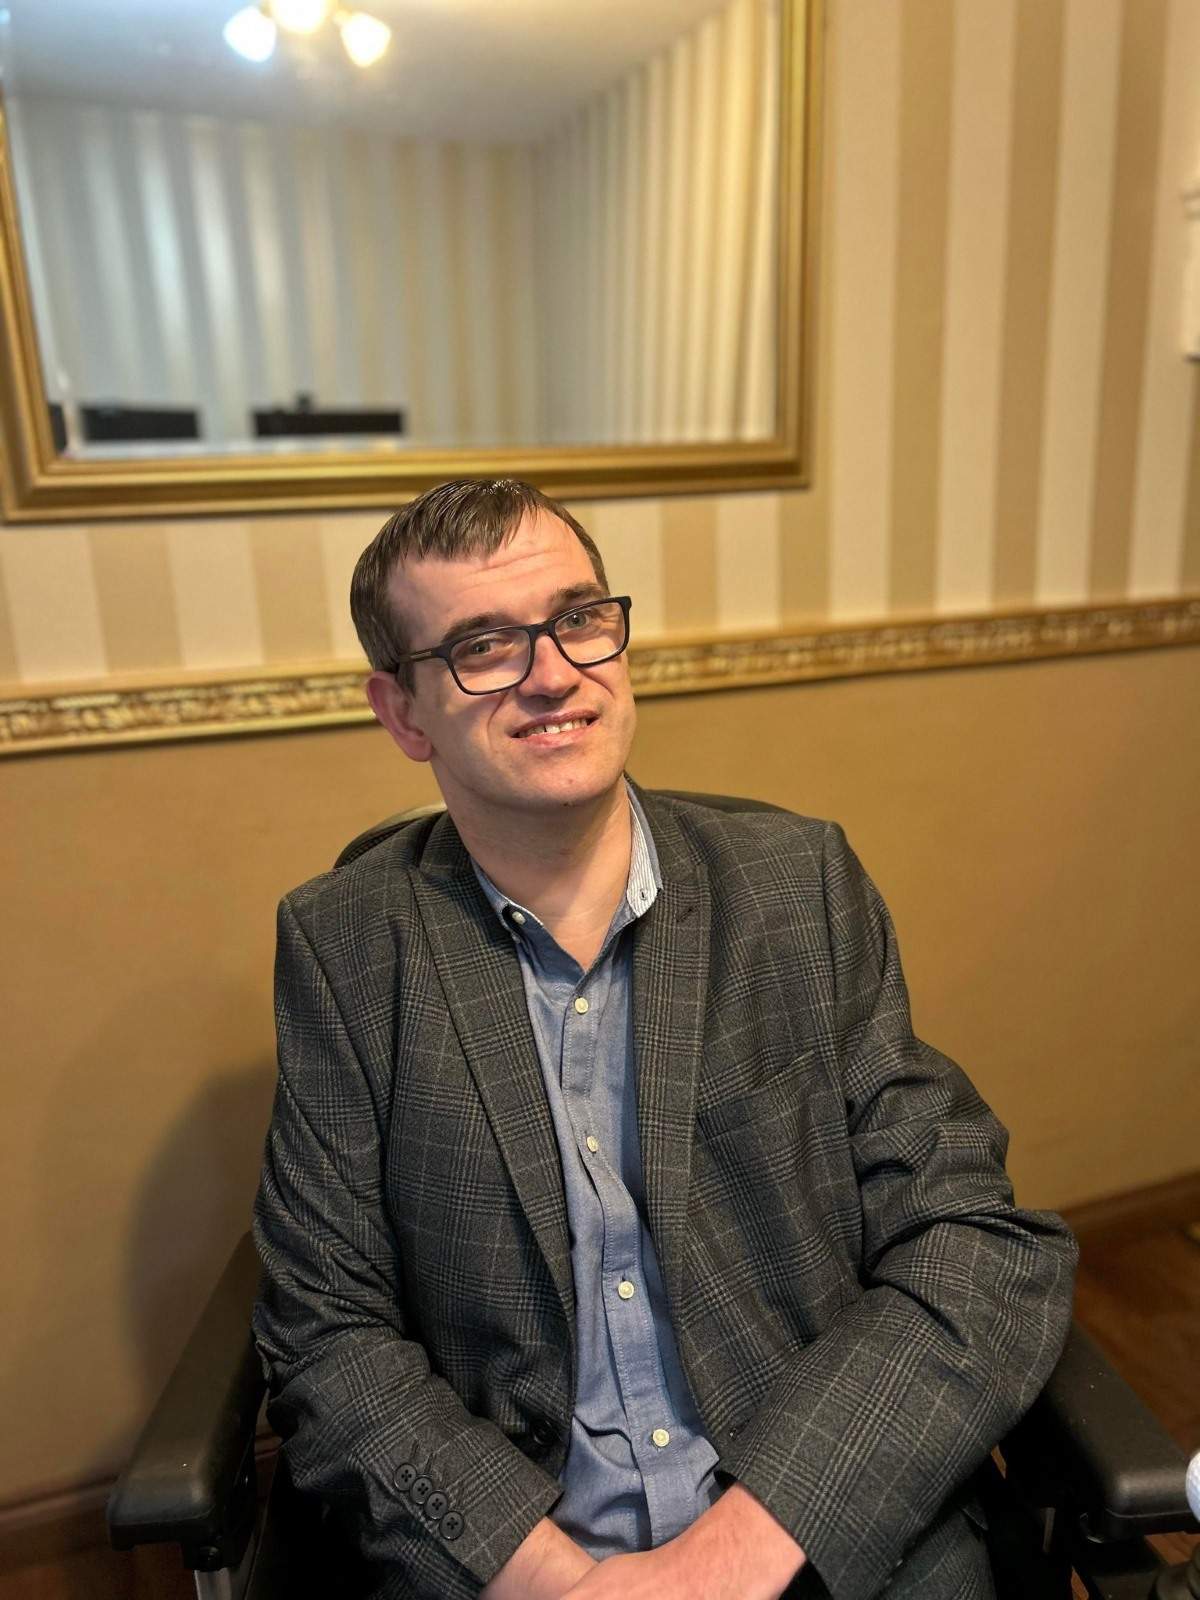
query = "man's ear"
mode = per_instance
[{"x": 393, "y": 706}]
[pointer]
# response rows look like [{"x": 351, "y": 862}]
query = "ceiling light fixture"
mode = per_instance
[
  {"x": 364, "y": 37},
  {"x": 251, "y": 33},
  {"x": 299, "y": 16}
]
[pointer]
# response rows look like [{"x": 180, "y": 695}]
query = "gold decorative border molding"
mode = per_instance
[{"x": 286, "y": 700}]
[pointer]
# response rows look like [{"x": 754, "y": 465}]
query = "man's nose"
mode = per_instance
[{"x": 551, "y": 674}]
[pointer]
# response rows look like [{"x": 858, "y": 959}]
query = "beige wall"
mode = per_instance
[{"x": 1034, "y": 829}]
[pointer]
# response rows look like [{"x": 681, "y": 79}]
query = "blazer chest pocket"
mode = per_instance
[{"x": 767, "y": 1104}]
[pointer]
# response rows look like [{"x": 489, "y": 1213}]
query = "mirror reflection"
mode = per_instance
[{"x": 533, "y": 223}]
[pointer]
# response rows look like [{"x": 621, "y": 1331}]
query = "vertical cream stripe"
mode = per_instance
[
  {"x": 1166, "y": 430},
  {"x": 108, "y": 258},
  {"x": 1076, "y": 337},
  {"x": 135, "y": 597},
  {"x": 650, "y": 403},
  {"x": 477, "y": 306},
  {"x": 677, "y": 224},
  {"x": 702, "y": 169},
  {"x": 690, "y": 564},
  {"x": 757, "y": 402},
  {"x": 732, "y": 222},
  {"x": 52, "y": 604},
  {"x": 629, "y": 534},
  {"x": 267, "y": 288},
  {"x": 631, "y": 326},
  {"x": 221, "y": 288},
  {"x": 386, "y": 323},
  {"x": 980, "y": 147},
  {"x": 289, "y": 578},
  {"x": 1037, "y": 84},
  {"x": 927, "y": 55},
  {"x": 1139, "y": 123},
  {"x": 748, "y": 534},
  {"x": 364, "y": 273},
  {"x": 805, "y": 554},
  {"x": 215, "y": 599},
  {"x": 864, "y": 77},
  {"x": 307, "y": 150},
  {"x": 343, "y": 539}
]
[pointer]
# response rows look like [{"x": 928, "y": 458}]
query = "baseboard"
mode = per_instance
[{"x": 1174, "y": 1204}]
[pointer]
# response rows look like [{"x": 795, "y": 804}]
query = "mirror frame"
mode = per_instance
[{"x": 39, "y": 485}]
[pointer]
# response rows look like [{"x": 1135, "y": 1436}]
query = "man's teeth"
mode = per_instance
[{"x": 555, "y": 727}]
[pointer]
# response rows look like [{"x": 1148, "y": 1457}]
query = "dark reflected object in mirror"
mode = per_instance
[
  {"x": 306, "y": 422},
  {"x": 108, "y": 424},
  {"x": 58, "y": 426}
]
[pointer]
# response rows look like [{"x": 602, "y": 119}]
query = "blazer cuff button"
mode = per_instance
[
  {"x": 435, "y": 1506},
  {"x": 451, "y": 1525},
  {"x": 421, "y": 1490},
  {"x": 405, "y": 1476}
]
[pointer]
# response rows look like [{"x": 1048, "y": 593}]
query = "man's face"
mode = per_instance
[{"x": 495, "y": 753}]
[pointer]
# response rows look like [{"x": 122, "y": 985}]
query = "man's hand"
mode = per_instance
[
  {"x": 735, "y": 1551},
  {"x": 544, "y": 1566}
]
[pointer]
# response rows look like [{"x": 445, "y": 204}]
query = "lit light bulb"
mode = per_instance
[
  {"x": 365, "y": 37},
  {"x": 300, "y": 16},
  {"x": 251, "y": 34}
]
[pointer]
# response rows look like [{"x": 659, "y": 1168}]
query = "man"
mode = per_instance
[{"x": 619, "y": 1237}]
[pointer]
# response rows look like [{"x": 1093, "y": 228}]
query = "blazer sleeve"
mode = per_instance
[
  {"x": 966, "y": 1302},
  {"x": 362, "y": 1415}
]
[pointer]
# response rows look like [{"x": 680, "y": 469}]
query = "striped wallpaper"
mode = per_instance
[{"x": 1004, "y": 415}]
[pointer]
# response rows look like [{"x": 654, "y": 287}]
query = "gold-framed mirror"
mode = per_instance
[{"x": 212, "y": 299}]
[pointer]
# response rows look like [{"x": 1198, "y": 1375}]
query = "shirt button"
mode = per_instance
[
  {"x": 592, "y": 1143},
  {"x": 519, "y": 918},
  {"x": 661, "y": 1438},
  {"x": 626, "y": 1289},
  {"x": 581, "y": 1005}
]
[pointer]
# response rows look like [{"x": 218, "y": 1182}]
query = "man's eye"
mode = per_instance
[{"x": 578, "y": 619}]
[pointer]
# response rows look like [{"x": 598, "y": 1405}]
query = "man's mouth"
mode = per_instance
[{"x": 562, "y": 725}]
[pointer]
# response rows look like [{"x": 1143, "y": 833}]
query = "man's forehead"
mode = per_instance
[{"x": 540, "y": 557}]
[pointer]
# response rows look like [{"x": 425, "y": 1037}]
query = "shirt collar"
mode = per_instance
[{"x": 641, "y": 886}]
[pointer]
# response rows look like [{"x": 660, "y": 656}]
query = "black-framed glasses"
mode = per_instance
[{"x": 495, "y": 659}]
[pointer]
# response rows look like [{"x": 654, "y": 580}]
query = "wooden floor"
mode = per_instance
[{"x": 1138, "y": 1296}]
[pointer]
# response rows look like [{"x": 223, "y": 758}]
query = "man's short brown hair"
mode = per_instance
[{"x": 466, "y": 517}]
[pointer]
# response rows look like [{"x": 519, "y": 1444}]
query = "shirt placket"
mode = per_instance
[{"x": 628, "y": 1310}]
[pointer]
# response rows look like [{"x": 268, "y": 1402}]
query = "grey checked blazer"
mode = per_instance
[{"x": 860, "y": 1310}]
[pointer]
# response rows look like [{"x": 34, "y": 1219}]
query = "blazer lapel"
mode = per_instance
[
  {"x": 481, "y": 978},
  {"x": 670, "y": 983}
]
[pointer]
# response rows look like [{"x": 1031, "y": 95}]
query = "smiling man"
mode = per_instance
[{"x": 620, "y": 1239}]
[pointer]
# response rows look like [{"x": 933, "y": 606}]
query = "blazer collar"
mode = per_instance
[
  {"x": 670, "y": 986},
  {"x": 481, "y": 979}
]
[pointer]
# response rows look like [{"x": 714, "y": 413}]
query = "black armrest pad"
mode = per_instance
[
  {"x": 189, "y": 1465},
  {"x": 1115, "y": 1461}
]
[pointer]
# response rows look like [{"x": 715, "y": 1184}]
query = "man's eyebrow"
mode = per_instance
[{"x": 560, "y": 600}]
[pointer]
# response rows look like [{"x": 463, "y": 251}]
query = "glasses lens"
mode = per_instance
[
  {"x": 594, "y": 633},
  {"x": 489, "y": 661}
]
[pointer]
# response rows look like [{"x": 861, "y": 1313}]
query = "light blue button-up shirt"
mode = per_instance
[{"x": 640, "y": 1468}]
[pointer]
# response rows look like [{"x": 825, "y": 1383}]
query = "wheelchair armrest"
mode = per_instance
[
  {"x": 1090, "y": 1445},
  {"x": 191, "y": 1477}
]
